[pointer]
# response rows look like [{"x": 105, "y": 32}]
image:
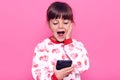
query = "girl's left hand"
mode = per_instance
[{"x": 69, "y": 32}]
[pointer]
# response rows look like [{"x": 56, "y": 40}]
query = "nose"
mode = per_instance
[{"x": 60, "y": 26}]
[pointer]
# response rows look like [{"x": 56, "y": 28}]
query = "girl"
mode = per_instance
[{"x": 60, "y": 46}]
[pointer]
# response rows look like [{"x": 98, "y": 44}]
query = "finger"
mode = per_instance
[
  {"x": 54, "y": 67},
  {"x": 68, "y": 72},
  {"x": 68, "y": 68},
  {"x": 70, "y": 28}
]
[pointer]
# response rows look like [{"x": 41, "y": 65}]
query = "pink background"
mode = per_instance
[{"x": 23, "y": 25}]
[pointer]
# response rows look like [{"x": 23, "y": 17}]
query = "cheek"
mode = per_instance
[
  {"x": 53, "y": 29},
  {"x": 67, "y": 28}
]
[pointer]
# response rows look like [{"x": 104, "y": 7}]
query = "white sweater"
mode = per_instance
[{"x": 48, "y": 52}]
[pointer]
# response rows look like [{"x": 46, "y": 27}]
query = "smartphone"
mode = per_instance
[{"x": 63, "y": 64}]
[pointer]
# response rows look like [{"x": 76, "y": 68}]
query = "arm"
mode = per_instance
[
  {"x": 40, "y": 68},
  {"x": 76, "y": 52}
]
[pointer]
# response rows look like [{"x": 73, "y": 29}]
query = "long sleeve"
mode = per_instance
[
  {"x": 40, "y": 68},
  {"x": 48, "y": 52},
  {"x": 78, "y": 54}
]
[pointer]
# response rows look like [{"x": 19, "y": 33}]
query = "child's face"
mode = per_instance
[{"x": 60, "y": 28}]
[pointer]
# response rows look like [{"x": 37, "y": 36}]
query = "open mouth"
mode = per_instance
[{"x": 60, "y": 32}]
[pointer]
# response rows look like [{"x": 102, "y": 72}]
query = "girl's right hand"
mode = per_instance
[{"x": 60, "y": 74}]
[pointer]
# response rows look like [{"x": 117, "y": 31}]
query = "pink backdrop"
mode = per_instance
[{"x": 23, "y": 25}]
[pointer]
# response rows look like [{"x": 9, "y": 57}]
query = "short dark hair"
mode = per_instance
[{"x": 59, "y": 10}]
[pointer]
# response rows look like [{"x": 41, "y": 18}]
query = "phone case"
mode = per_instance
[{"x": 63, "y": 64}]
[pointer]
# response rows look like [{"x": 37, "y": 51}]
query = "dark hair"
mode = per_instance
[{"x": 59, "y": 10}]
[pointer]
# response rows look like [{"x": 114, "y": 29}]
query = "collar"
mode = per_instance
[{"x": 67, "y": 41}]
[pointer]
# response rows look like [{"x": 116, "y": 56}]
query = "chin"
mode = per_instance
[{"x": 60, "y": 40}]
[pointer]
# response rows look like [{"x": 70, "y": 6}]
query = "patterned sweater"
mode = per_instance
[{"x": 49, "y": 51}]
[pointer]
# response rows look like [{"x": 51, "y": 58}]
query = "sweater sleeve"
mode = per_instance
[
  {"x": 40, "y": 68},
  {"x": 78, "y": 54}
]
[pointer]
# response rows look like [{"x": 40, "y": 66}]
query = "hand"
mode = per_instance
[
  {"x": 60, "y": 74},
  {"x": 69, "y": 32}
]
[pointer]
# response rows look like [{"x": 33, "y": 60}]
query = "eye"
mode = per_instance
[
  {"x": 55, "y": 23},
  {"x": 66, "y": 22}
]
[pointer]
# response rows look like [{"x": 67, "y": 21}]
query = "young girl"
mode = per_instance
[{"x": 60, "y": 46}]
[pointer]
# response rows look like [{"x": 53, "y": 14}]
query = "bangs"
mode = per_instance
[
  {"x": 59, "y": 11},
  {"x": 60, "y": 14}
]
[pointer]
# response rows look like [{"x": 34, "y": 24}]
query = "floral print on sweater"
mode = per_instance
[{"x": 48, "y": 52}]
